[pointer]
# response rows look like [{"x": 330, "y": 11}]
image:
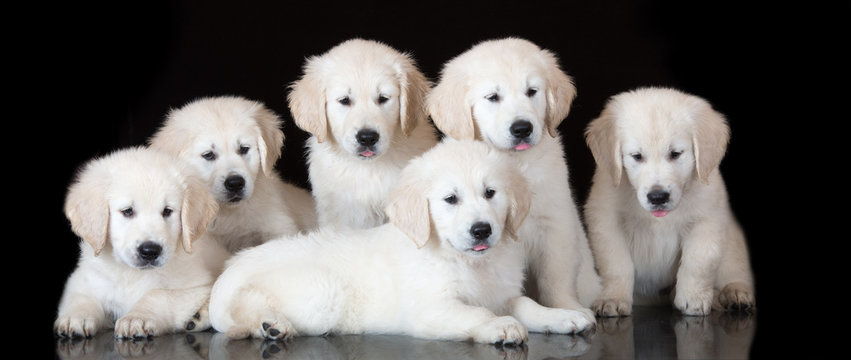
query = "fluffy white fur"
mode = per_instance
[
  {"x": 360, "y": 89},
  {"x": 139, "y": 216},
  {"x": 658, "y": 215},
  {"x": 235, "y": 143},
  {"x": 455, "y": 281},
  {"x": 513, "y": 95}
]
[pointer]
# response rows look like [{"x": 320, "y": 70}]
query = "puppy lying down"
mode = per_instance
[{"x": 447, "y": 266}]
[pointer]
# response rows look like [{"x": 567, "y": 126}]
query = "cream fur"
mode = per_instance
[
  {"x": 438, "y": 286},
  {"x": 359, "y": 85},
  {"x": 118, "y": 203},
  {"x": 655, "y": 140},
  {"x": 482, "y": 94}
]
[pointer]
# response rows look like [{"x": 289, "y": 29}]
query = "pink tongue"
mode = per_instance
[
  {"x": 659, "y": 213},
  {"x": 522, "y": 146},
  {"x": 480, "y": 247},
  {"x": 367, "y": 153}
]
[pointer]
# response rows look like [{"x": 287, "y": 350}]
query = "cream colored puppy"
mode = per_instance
[
  {"x": 139, "y": 216},
  {"x": 513, "y": 95},
  {"x": 658, "y": 215},
  {"x": 459, "y": 278},
  {"x": 234, "y": 143},
  {"x": 362, "y": 102}
]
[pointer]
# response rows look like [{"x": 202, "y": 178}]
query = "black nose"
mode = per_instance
[
  {"x": 149, "y": 250},
  {"x": 234, "y": 183},
  {"x": 480, "y": 230},
  {"x": 367, "y": 137},
  {"x": 658, "y": 196},
  {"x": 521, "y": 129}
]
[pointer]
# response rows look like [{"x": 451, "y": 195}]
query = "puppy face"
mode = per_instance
[
  {"x": 663, "y": 139},
  {"x": 230, "y": 141},
  {"x": 361, "y": 96},
  {"x": 463, "y": 195},
  {"x": 138, "y": 204},
  {"x": 507, "y": 92}
]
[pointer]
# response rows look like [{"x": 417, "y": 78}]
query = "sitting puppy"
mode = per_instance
[
  {"x": 139, "y": 216},
  {"x": 362, "y": 103},
  {"x": 234, "y": 143},
  {"x": 667, "y": 223},
  {"x": 461, "y": 204}
]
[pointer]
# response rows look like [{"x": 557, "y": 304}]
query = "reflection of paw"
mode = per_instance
[
  {"x": 694, "y": 303},
  {"x": 77, "y": 347},
  {"x": 736, "y": 297},
  {"x": 76, "y": 325},
  {"x": 502, "y": 330},
  {"x": 563, "y": 321},
  {"x": 612, "y": 307},
  {"x": 137, "y": 326},
  {"x": 134, "y": 348}
]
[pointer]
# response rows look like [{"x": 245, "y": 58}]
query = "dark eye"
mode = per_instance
[
  {"x": 675, "y": 154},
  {"x": 345, "y": 101},
  {"x": 489, "y": 193},
  {"x": 243, "y": 149},
  {"x": 451, "y": 199},
  {"x": 128, "y": 212},
  {"x": 167, "y": 212},
  {"x": 493, "y": 97},
  {"x": 209, "y": 156},
  {"x": 531, "y": 92},
  {"x": 637, "y": 157},
  {"x": 382, "y": 99}
]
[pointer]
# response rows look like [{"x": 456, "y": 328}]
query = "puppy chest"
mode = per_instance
[{"x": 655, "y": 254}]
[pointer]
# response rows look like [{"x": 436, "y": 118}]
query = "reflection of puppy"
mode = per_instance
[
  {"x": 362, "y": 102},
  {"x": 667, "y": 222},
  {"x": 513, "y": 95},
  {"x": 134, "y": 209},
  {"x": 461, "y": 204},
  {"x": 234, "y": 143}
]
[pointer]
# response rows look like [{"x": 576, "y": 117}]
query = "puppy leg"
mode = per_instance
[
  {"x": 163, "y": 311},
  {"x": 80, "y": 315},
  {"x": 734, "y": 274},
  {"x": 538, "y": 318},
  {"x": 612, "y": 258},
  {"x": 701, "y": 256}
]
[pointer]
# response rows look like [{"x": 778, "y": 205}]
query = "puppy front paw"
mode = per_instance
[
  {"x": 612, "y": 307},
  {"x": 694, "y": 303},
  {"x": 76, "y": 325},
  {"x": 200, "y": 321},
  {"x": 134, "y": 325},
  {"x": 564, "y": 321},
  {"x": 736, "y": 297},
  {"x": 504, "y": 330}
]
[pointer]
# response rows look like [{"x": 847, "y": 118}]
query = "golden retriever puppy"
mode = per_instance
[
  {"x": 512, "y": 95},
  {"x": 234, "y": 143},
  {"x": 139, "y": 215},
  {"x": 362, "y": 103},
  {"x": 459, "y": 279},
  {"x": 658, "y": 216}
]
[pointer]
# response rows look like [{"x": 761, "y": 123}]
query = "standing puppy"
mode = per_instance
[
  {"x": 362, "y": 102},
  {"x": 139, "y": 216},
  {"x": 667, "y": 223},
  {"x": 234, "y": 143},
  {"x": 512, "y": 95}
]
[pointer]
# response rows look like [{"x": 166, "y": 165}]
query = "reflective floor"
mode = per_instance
[{"x": 651, "y": 333}]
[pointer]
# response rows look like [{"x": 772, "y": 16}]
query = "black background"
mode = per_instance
[{"x": 91, "y": 78}]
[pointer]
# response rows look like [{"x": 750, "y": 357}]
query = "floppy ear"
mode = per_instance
[
  {"x": 448, "y": 107},
  {"x": 414, "y": 87},
  {"x": 602, "y": 140},
  {"x": 198, "y": 210},
  {"x": 710, "y": 139},
  {"x": 560, "y": 94},
  {"x": 307, "y": 102},
  {"x": 88, "y": 210},
  {"x": 271, "y": 138},
  {"x": 408, "y": 210},
  {"x": 520, "y": 200}
]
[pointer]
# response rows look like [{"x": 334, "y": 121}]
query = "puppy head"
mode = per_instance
[
  {"x": 506, "y": 92},
  {"x": 229, "y": 140},
  {"x": 462, "y": 195},
  {"x": 138, "y": 204},
  {"x": 359, "y": 95},
  {"x": 663, "y": 138}
]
